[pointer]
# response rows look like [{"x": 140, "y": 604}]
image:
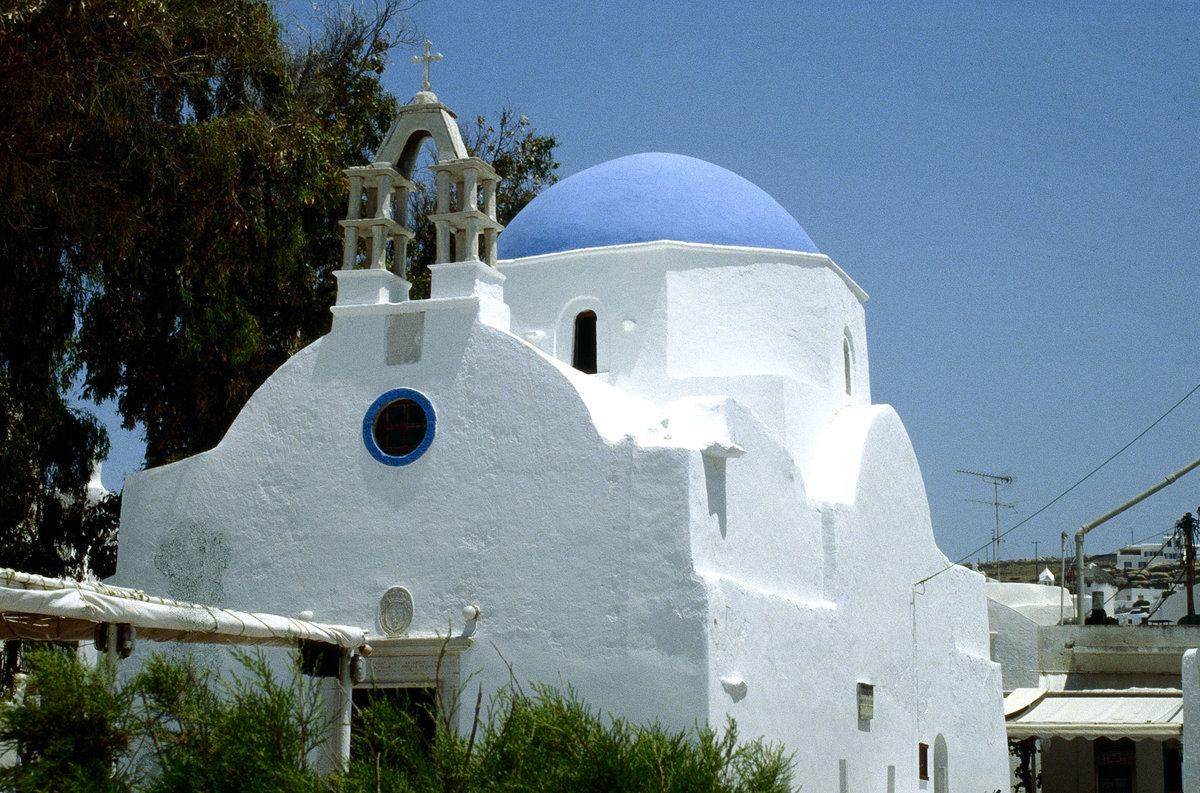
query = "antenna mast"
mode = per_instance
[{"x": 996, "y": 480}]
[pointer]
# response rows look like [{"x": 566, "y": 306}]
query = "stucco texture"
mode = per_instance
[{"x": 718, "y": 522}]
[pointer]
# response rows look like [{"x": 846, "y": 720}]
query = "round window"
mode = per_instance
[{"x": 398, "y": 427}]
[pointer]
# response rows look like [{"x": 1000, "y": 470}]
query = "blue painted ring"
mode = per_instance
[{"x": 385, "y": 399}]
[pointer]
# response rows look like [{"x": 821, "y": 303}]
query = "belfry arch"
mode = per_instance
[
  {"x": 377, "y": 210},
  {"x": 415, "y": 124}
]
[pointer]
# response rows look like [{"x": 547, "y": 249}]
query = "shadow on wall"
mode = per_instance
[{"x": 714, "y": 483}]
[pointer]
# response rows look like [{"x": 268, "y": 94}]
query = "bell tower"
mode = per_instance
[{"x": 377, "y": 211}]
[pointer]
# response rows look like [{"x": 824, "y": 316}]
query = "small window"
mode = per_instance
[
  {"x": 399, "y": 426},
  {"x": 866, "y": 701},
  {"x": 583, "y": 355},
  {"x": 846, "y": 365},
  {"x": 923, "y": 761}
]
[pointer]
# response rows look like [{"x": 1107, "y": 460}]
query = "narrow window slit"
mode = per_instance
[{"x": 583, "y": 356}]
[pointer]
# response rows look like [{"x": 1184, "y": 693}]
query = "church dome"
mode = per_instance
[{"x": 648, "y": 197}]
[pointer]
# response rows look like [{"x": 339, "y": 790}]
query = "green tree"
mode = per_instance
[
  {"x": 231, "y": 271},
  {"x": 46, "y": 447},
  {"x": 170, "y": 191},
  {"x": 169, "y": 194},
  {"x": 251, "y": 733}
]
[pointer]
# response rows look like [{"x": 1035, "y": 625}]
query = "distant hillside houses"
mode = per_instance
[{"x": 1149, "y": 554}]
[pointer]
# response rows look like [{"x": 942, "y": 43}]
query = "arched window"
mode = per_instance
[
  {"x": 846, "y": 365},
  {"x": 941, "y": 766},
  {"x": 583, "y": 355}
]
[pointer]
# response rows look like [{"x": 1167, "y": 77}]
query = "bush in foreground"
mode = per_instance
[
  {"x": 177, "y": 728},
  {"x": 552, "y": 741}
]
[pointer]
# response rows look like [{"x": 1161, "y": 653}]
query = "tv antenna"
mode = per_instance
[{"x": 995, "y": 480}]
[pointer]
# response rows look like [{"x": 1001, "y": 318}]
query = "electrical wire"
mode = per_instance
[{"x": 1061, "y": 495}]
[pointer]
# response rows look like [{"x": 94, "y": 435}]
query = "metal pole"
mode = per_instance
[
  {"x": 1112, "y": 513},
  {"x": 1062, "y": 580},
  {"x": 996, "y": 535}
]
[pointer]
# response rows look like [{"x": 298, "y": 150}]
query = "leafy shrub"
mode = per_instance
[
  {"x": 71, "y": 728},
  {"x": 179, "y": 728},
  {"x": 251, "y": 734},
  {"x": 173, "y": 728},
  {"x": 553, "y": 742}
]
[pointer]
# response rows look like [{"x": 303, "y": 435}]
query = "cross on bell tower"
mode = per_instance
[
  {"x": 426, "y": 93},
  {"x": 465, "y": 210}
]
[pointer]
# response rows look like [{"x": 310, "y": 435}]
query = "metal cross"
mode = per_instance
[{"x": 425, "y": 60}]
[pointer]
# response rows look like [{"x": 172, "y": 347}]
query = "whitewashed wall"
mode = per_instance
[
  {"x": 679, "y": 319},
  {"x": 610, "y": 527}
]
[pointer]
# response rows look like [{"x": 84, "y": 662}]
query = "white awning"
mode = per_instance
[
  {"x": 1101, "y": 713},
  {"x": 60, "y": 609}
]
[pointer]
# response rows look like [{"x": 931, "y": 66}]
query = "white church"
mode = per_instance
[{"x": 628, "y": 444}]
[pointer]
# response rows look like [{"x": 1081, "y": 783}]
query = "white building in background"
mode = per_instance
[
  {"x": 1015, "y": 613},
  {"x": 605, "y": 462},
  {"x": 1135, "y": 605},
  {"x": 1149, "y": 554}
]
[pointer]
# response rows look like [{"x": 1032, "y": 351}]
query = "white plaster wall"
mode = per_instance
[
  {"x": 1191, "y": 721},
  {"x": 1174, "y": 607},
  {"x": 957, "y": 688},
  {"x": 924, "y": 647},
  {"x": 683, "y": 319},
  {"x": 575, "y": 549},
  {"x": 606, "y": 525},
  {"x": 1015, "y": 646},
  {"x": 751, "y": 520}
]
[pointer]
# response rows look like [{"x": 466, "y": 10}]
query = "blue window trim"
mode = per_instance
[{"x": 369, "y": 426}]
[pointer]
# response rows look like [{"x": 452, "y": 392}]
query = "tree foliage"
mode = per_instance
[
  {"x": 71, "y": 729},
  {"x": 170, "y": 191},
  {"x": 46, "y": 447},
  {"x": 251, "y": 733},
  {"x": 172, "y": 728}
]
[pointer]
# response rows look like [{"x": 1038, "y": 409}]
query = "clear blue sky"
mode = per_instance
[{"x": 1015, "y": 185}]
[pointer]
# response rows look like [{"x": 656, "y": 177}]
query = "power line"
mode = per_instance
[{"x": 1057, "y": 498}]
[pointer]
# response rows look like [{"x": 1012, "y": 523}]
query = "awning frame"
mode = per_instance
[
  {"x": 1147, "y": 713},
  {"x": 40, "y": 608}
]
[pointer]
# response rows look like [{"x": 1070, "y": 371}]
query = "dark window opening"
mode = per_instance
[
  {"x": 318, "y": 659},
  {"x": 1173, "y": 766},
  {"x": 1115, "y": 765},
  {"x": 400, "y": 427},
  {"x": 846, "y": 365},
  {"x": 583, "y": 357},
  {"x": 411, "y": 710},
  {"x": 923, "y": 761}
]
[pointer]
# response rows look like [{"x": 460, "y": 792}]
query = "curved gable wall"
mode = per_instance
[{"x": 517, "y": 505}]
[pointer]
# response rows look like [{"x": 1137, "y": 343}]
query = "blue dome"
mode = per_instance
[{"x": 648, "y": 197}]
